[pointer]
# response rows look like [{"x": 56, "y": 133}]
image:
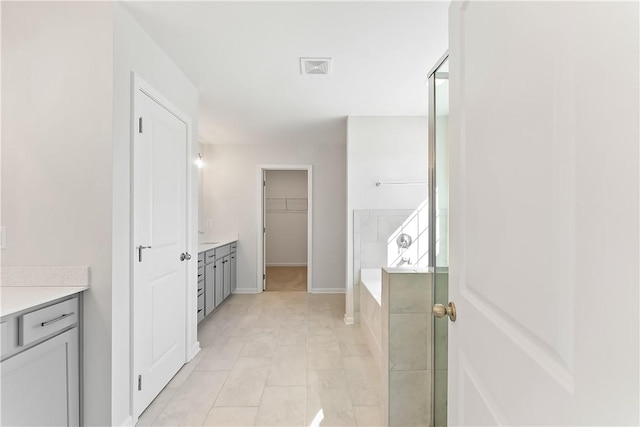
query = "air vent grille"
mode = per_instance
[{"x": 315, "y": 65}]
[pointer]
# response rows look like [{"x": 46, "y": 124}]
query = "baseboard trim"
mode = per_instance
[
  {"x": 348, "y": 320},
  {"x": 245, "y": 291},
  {"x": 327, "y": 291},
  {"x": 194, "y": 350},
  {"x": 128, "y": 422},
  {"x": 284, "y": 264}
]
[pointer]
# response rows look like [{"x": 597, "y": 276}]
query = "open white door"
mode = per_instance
[
  {"x": 264, "y": 229},
  {"x": 159, "y": 229},
  {"x": 544, "y": 213}
]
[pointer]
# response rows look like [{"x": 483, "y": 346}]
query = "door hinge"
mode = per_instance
[
  {"x": 139, "y": 382},
  {"x": 264, "y": 277},
  {"x": 264, "y": 229},
  {"x": 264, "y": 183},
  {"x": 140, "y": 125}
]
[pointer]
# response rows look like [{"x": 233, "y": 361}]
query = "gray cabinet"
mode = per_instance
[
  {"x": 40, "y": 370},
  {"x": 209, "y": 285},
  {"x": 200, "y": 289},
  {"x": 218, "y": 278},
  {"x": 219, "y": 281},
  {"x": 200, "y": 292},
  {"x": 226, "y": 277},
  {"x": 233, "y": 267}
]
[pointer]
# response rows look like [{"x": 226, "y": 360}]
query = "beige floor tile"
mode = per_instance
[
  {"x": 363, "y": 379},
  {"x": 328, "y": 399},
  {"x": 245, "y": 383},
  {"x": 324, "y": 358},
  {"x": 242, "y": 416},
  {"x": 292, "y": 335},
  {"x": 149, "y": 416},
  {"x": 369, "y": 416},
  {"x": 220, "y": 357},
  {"x": 184, "y": 372},
  {"x": 282, "y": 406},
  {"x": 280, "y": 358},
  {"x": 288, "y": 367},
  {"x": 350, "y": 348},
  {"x": 261, "y": 345},
  {"x": 192, "y": 402}
]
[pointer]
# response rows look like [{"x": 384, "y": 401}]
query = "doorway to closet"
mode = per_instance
[{"x": 286, "y": 229}]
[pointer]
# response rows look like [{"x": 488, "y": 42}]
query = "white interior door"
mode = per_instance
[
  {"x": 159, "y": 199},
  {"x": 544, "y": 213},
  {"x": 264, "y": 229}
]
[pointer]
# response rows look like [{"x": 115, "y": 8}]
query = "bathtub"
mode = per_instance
[{"x": 370, "y": 310}]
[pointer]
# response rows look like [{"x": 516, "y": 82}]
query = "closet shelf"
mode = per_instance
[{"x": 286, "y": 204}]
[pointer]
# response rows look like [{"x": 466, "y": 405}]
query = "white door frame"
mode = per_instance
[
  {"x": 140, "y": 85},
  {"x": 260, "y": 235}
]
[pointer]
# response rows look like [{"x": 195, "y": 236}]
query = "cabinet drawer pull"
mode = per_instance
[
  {"x": 48, "y": 322},
  {"x": 200, "y": 310}
]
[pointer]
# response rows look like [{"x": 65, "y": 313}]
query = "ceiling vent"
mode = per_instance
[{"x": 315, "y": 65}]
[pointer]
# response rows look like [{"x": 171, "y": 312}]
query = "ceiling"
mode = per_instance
[{"x": 244, "y": 57}]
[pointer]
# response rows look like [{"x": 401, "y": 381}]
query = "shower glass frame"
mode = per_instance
[{"x": 438, "y": 415}]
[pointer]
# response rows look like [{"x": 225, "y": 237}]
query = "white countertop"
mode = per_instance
[
  {"x": 17, "y": 298},
  {"x": 215, "y": 243}
]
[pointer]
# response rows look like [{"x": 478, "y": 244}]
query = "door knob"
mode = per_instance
[
  {"x": 185, "y": 256},
  {"x": 440, "y": 311}
]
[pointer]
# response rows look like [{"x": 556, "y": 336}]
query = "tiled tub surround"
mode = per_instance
[
  {"x": 370, "y": 311},
  {"x": 407, "y": 341},
  {"x": 371, "y": 231}
]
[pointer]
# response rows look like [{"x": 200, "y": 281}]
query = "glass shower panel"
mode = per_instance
[{"x": 440, "y": 241}]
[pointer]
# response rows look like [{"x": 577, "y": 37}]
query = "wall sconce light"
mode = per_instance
[{"x": 199, "y": 162}]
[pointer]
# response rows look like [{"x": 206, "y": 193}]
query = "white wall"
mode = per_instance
[
  {"x": 382, "y": 149},
  {"x": 232, "y": 195},
  {"x": 66, "y": 85},
  {"x": 134, "y": 51},
  {"x": 286, "y": 230},
  {"x": 57, "y": 171}
]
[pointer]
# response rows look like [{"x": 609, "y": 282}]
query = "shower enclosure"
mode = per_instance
[{"x": 439, "y": 224}]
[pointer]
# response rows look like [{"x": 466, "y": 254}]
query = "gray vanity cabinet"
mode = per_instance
[
  {"x": 226, "y": 284},
  {"x": 233, "y": 267},
  {"x": 218, "y": 268},
  {"x": 219, "y": 281},
  {"x": 209, "y": 282},
  {"x": 200, "y": 288},
  {"x": 40, "y": 369}
]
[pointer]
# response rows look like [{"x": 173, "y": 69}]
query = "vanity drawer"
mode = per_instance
[
  {"x": 201, "y": 274},
  {"x": 200, "y": 288},
  {"x": 210, "y": 256},
  {"x": 222, "y": 251},
  {"x": 200, "y": 307},
  {"x": 46, "y": 321}
]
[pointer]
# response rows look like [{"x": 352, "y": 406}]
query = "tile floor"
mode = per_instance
[{"x": 274, "y": 359}]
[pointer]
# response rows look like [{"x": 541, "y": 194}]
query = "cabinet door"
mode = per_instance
[
  {"x": 219, "y": 280},
  {"x": 209, "y": 288},
  {"x": 234, "y": 275},
  {"x": 40, "y": 386},
  {"x": 227, "y": 277}
]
